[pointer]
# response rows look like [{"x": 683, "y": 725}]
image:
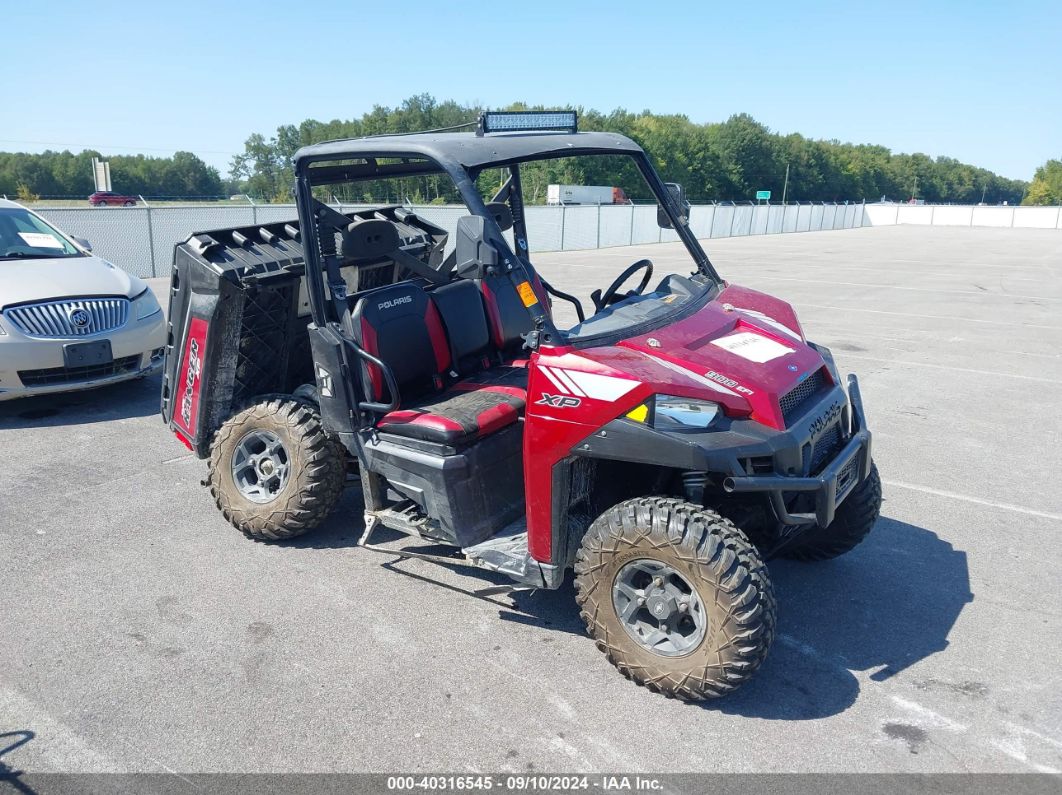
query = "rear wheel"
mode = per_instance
[
  {"x": 676, "y": 597},
  {"x": 852, "y": 523},
  {"x": 274, "y": 472}
]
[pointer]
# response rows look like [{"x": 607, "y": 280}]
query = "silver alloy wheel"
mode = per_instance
[
  {"x": 659, "y": 608},
  {"x": 260, "y": 466}
]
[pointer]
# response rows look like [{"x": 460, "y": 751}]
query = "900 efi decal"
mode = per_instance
[{"x": 190, "y": 381}]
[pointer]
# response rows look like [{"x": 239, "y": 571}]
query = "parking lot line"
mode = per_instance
[{"x": 977, "y": 500}]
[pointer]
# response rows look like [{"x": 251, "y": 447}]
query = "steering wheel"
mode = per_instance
[{"x": 609, "y": 297}]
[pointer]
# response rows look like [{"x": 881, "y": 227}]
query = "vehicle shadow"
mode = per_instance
[
  {"x": 881, "y": 608},
  {"x": 885, "y": 606},
  {"x": 10, "y": 777},
  {"x": 115, "y": 402}
]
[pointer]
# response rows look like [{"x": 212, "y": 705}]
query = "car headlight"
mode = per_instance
[
  {"x": 146, "y": 304},
  {"x": 680, "y": 412}
]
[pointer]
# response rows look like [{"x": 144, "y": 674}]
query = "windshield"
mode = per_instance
[
  {"x": 25, "y": 236},
  {"x": 585, "y": 217}
]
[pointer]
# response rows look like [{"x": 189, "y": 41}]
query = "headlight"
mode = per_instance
[
  {"x": 679, "y": 412},
  {"x": 146, "y": 304}
]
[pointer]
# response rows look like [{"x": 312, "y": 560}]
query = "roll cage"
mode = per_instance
[{"x": 462, "y": 157}]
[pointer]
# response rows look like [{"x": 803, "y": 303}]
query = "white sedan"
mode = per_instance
[{"x": 68, "y": 319}]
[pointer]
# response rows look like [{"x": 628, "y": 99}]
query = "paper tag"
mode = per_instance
[
  {"x": 752, "y": 346},
  {"x": 41, "y": 240}
]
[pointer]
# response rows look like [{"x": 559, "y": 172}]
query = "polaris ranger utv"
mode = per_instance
[{"x": 664, "y": 446}]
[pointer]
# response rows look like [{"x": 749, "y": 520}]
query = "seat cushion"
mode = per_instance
[{"x": 463, "y": 414}]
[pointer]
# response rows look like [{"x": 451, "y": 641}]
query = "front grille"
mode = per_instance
[
  {"x": 798, "y": 400},
  {"x": 70, "y": 318},
  {"x": 826, "y": 448},
  {"x": 70, "y": 375},
  {"x": 847, "y": 477}
]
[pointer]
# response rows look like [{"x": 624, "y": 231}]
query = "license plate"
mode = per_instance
[{"x": 87, "y": 354}]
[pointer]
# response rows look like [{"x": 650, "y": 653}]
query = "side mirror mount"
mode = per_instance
[
  {"x": 678, "y": 193},
  {"x": 475, "y": 255},
  {"x": 82, "y": 242}
]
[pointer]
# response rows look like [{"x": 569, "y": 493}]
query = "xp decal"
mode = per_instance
[{"x": 558, "y": 401}]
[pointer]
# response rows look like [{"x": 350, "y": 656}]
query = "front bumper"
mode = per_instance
[
  {"x": 40, "y": 361},
  {"x": 742, "y": 456},
  {"x": 830, "y": 487}
]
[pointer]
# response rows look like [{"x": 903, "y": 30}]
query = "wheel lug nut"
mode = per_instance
[
  {"x": 641, "y": 600},
  {"x": 658, "y": 581},
  {"x": 683, "y": 607}
]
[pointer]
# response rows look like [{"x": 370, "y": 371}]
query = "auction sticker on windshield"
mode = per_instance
[
  {"x": 752, "y": 346},
  {"x": 40, "y": 240}
]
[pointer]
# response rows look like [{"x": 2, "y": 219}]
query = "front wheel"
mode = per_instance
[
  {"x": 274, "y": 472},
  {"x": 675, "y": 596}
]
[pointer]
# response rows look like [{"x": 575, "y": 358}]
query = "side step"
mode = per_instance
[{"x": 506, "y": 553}]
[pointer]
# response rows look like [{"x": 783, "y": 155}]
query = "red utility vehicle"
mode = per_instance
[{"x": 663, "y": 447}]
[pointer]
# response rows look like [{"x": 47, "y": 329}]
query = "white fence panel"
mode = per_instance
[
  {"x": 742, "y": 220},
  {"x": 803, "y": 218},
  {"x": 645, "y": 228},
  {"x": 701, "y": 217},
  {"x": 881, "y": 214},
  {"x": 915, "y": 214},
  {"x": 817, "y": 211},
  {"x": 760, "y": 214},
  {"x": 774, "y": 219},
  {"x": 616, "y": 226},
  {"x": 580, "y": 228},
  {"x": 723, "y": 220},
  {"x": 544, "y": 228},
  {"x": 993, "y": 216},
  {"x": 957, "y": 215},
  {"x": 789, "y": 218},
  {"x": 1036, "y": 217}
]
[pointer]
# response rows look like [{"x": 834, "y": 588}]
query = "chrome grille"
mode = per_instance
[
  {"x": 50, "y": 319},
  {"x": 71, "y": 375},
  {"x": 796, "y": 401}
]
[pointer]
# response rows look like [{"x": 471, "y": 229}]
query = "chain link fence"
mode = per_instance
[{"x": 141, "y": 239}]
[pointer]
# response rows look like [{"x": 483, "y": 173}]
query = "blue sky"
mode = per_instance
[{"x": 974, "y": 80}]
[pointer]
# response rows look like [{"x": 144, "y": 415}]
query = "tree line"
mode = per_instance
[
  {"x": 64, "y": 174},
  {"x": 730, "y": 160}
]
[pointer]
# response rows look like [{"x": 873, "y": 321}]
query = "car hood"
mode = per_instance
[
  {"x": 26, "y": 280},
  {"x": 743, "y": 350}
]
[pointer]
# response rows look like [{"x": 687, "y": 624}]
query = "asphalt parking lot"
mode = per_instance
[{"x": 139, "y": 632}]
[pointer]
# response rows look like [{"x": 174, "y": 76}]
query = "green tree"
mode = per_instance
[{"x": 1046, "y": 185}]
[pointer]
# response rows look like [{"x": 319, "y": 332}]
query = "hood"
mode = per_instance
[
  {"x": 744, "y": 350},
  {"x": 26, "y": 280}
]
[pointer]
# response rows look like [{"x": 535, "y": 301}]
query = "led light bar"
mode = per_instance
[{"x": 522, "y": 121}]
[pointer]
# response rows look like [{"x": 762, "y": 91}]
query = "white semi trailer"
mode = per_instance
[{"x": 585, "y": 194}]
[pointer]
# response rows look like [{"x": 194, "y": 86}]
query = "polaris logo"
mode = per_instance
[
  {"x": 558, "y": 401},
  {"x": 822, "y": 423},
  {"x": 391, "y": 303}
]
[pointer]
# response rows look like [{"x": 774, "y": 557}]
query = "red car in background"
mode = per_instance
[{"x": 102, "y": 198}]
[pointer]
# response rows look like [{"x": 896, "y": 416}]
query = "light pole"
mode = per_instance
[{"x": 785, "y": 186}]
